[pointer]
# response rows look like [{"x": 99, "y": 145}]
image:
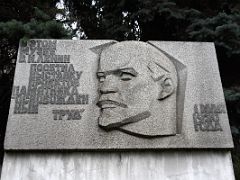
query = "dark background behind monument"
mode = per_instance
[{"x": 189, "y": 20}]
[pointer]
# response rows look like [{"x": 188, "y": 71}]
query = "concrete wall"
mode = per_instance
[{"x": 165, "y": 165}]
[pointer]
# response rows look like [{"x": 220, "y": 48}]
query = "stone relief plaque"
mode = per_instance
[
  {"x": 105, "y": 95},
  {"x": 136, "y": 82}
]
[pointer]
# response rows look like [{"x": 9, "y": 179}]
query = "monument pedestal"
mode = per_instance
[{"x": 162, "y": 165}]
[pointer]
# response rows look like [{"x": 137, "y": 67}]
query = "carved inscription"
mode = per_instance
[
  {"x": 206, "y": 117},
  {"x": 52, "y": 81},
  {"x": 72, "y": 114},
  {"x": 41, "y": 51}
]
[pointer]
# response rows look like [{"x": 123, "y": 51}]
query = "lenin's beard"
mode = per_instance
[{"x": 115, "y": 114}]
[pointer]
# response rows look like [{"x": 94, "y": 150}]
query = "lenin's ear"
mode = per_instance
[
  {"x": 162, "y": 77},
  {"x": 167, "y": 87}
]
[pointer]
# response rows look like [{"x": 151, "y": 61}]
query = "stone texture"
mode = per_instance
[
  {"x": 41, "y": 119},
  {"x": 138, "y": 89},
  {"x": 172, "y": 165}
]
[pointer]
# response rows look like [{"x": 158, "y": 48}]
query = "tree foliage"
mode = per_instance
[{"x": 23, "y": 20}]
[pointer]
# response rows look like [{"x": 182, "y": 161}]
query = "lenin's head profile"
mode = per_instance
[{"x": 137, "y": 90}]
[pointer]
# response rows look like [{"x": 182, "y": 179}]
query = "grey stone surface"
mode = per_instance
[
  {"x": 171, "y": 165},
  {"x": 138, "y": 89},
  {"x": 164, "y": 95}
]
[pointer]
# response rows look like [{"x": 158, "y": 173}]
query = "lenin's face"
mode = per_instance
[{"x": 126, "y": 87}]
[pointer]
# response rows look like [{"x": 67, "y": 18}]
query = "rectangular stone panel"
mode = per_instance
[{"x": 105, "y": 95}]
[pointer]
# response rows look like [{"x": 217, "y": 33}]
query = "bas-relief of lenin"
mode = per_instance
[{"x": 137, "y": 90}]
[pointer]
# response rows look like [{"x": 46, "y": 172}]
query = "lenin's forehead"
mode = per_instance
[{"x": 124, "y": 54}]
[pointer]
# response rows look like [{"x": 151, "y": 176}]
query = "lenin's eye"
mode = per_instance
[{"x": 126, "y": 76}]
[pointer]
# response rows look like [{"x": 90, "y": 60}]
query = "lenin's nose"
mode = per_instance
[{"x": 109, "y": 85}]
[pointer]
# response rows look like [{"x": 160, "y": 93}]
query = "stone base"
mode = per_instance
[{"x": 164, "y": 165}]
